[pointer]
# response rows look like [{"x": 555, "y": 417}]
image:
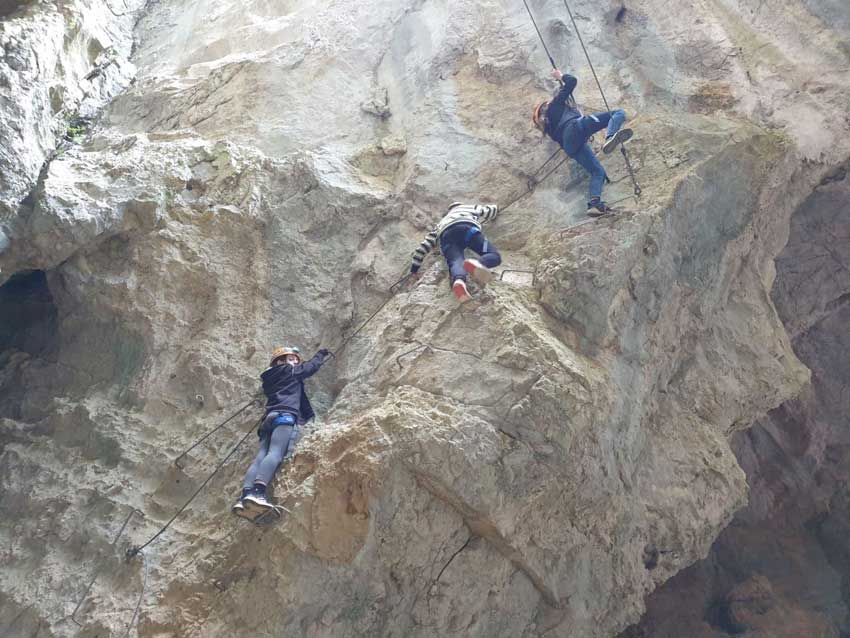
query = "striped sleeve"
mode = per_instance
[
  {"x": 424, "y": 248},
  {"x": 486, "y": 212}
]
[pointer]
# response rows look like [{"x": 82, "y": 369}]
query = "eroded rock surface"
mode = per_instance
[
  {"x": 60, "y": 63},
  {"x": 530, "y": 464},
  {"x": 782, "y": 568}
]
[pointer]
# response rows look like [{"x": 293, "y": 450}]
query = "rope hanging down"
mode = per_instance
[
  {"x": 134, "y": 551},
  {"x": 539, "y": 35}
]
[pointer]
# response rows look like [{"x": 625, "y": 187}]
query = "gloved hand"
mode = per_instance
[{"x": 324, "y": 352}]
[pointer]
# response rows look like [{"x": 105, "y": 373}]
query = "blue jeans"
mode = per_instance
[
  {"x": 575, "y": 143},
  {"x": 455, "y": 239}
]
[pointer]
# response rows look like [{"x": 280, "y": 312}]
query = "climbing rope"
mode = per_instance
[
  {"x": 141, "y": 593},
  {"x": 372, "y": 316},
  {"x": 216, "y": 429},
  {"x": 586, "y": 55},
  {"x": 100, "y": 568},
  {"x": 539, "y": 35},
  {"x": 534, "y": 182},
  {"x": 132, "y": 552}
]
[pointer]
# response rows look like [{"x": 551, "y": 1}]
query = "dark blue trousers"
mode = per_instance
[
  {"x": 575, "y": 143},
  {"x": 456, "y": 239}
]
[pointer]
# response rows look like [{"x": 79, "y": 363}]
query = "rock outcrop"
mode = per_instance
[
  {"x": 781, "y": 567},
  {"x": 530, "y": 464}
]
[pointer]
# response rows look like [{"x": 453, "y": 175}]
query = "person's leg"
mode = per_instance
[
  {"x": 293, "y": 441},
  {"x": 616, "y": 120},
  {"x": 451, "y": 245},
  {"x": 251, "y": 474},
  {"x": 248, "y": 483},
  {"x": 490, "y": 257},
  {"x": 615, "y": 135},
  {"x": 591, "y": 124},
  {"x": 588, "y": 161},
  {"x": 277, "y": 448},
  {"x": 481, "y": 271}
]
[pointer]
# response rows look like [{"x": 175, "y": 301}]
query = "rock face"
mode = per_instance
[
  {"x": 782, "y": 566},
  {"x": 60, "y": 63},
  {"x": 530, "y": 464}
]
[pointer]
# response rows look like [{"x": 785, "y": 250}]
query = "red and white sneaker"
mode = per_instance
[
  {"x": 460, "y": 291},
  {"x": 478, "y": 271}
]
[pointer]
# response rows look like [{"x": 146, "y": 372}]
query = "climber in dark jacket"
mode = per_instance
[
  {"x": 561, "y": 120},
  {"x": 287, "y": 407}
]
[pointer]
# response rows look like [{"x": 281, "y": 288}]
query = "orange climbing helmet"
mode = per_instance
[
  {"x": 539, "y": 117},
  {"x": 283, "y": 351}
]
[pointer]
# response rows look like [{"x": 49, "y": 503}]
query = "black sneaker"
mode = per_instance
[{"x": 597, "y": 208}]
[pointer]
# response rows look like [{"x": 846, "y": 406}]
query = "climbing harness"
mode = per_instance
[
  {"x": 133, "y": 551},
  {"x": 637, "y": 188},
  {"x": 253, "y": 401}
]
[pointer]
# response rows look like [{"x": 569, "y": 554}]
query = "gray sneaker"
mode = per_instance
[
  {"x": 239, "y": 507},
  {"x": 623, "y": 135}
]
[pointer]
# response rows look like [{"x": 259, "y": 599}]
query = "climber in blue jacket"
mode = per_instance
[
  {"x": 287, "y": 407},
  {"x": 562, "y": 120}
]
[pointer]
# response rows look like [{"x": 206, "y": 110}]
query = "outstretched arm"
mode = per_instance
[
  {"x": 424, "y": 248},
  {"x": 568, "y": 85},
  {"x": 311, "y": 367}
]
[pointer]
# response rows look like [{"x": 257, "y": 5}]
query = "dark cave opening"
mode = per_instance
[
  {"x": 28, "y": 315},
  {"x": 782, "y": 568},
  {"x": 8, "y": 7}
]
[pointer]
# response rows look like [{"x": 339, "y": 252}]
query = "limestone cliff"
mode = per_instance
[
  {"x": 782, "y": 568},
  {"x": 187, "y": 184}
]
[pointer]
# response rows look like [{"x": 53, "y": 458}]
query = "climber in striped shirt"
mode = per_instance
[{"x": 458, "y": 230}]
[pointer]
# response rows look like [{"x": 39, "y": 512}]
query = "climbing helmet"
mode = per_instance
[
  {"x": 281, "y": 352},
  {"x": 539, "y": 117}
]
